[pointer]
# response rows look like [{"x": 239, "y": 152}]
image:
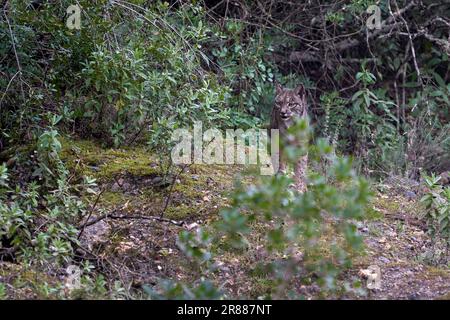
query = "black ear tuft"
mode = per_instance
[{"x": 300, "y": 90}]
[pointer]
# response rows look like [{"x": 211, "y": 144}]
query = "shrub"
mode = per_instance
[
  {"x": 437, "y": 208},
  {"x": 318, "y": 223},
  {"x": 38, "y": 219}
]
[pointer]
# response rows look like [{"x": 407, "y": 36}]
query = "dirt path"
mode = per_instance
[{"x": 399, "y": 245}]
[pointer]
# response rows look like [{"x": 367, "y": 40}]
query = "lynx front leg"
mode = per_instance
[
  {"x": 282, "y": 169},
  {"x": 279, "y": 165},
  {"x": 300, "y": 174}
]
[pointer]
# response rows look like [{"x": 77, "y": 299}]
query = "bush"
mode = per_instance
[
  {"x": 437, "y": 208},
  {"x": 38, "y": 219},
  {"x": 318, "y": 223}
]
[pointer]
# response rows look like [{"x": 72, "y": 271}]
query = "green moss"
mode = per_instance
[
  {"x": 387, "y": 204},
  {"x": 438, "y": 272},
  {"x": 135, "y": 164},
  {"x": 190, "y": 196},
  {"x": 179, "y": 212},
  {"x": 111, "y": 198},
  {"x": 104, "y": 163},
  {"x": 189, "y": 189},
  {"x": 373, "y": 214},
  {"x": 262, "y": 287},
  {"x": 261, "y": 270},
  {"x": 29, "y": 283}
]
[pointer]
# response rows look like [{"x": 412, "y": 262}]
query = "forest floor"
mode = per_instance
[{"x": 137, "y": 249}]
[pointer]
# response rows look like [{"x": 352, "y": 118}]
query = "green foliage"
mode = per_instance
[
  {"x": 372, "y": 132},
  {"x": 3, "y": 294},
  {"x": 154, "y": 69},
  {"x": 203, "y": 290},
  {"x": 195, "y": 245},
  {"x": 307, "y": 217},
  {"x": 319, "y": 223},
  {"x": 437, "y": 208},
  {"x": 244, "y": 67},
  {"x": 38, "y": 218},
  {"x": 137, "y": 70},
  {"x": 152, "y": 85},
  {"x": 334, "y": 107},
  {"x": 335, "y": 17}
]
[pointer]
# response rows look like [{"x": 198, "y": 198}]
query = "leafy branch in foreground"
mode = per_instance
[{"x": 309, "y": 236}]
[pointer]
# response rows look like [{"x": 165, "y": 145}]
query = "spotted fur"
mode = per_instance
[{"x": 290, "y": 105}]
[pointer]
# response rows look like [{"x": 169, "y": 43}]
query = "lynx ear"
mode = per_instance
[
  {"x": 278, "y": 88},
  {"x": 300, "y": 91}
]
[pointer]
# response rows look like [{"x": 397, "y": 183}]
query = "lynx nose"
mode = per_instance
[{"x": 284, "y": 115}]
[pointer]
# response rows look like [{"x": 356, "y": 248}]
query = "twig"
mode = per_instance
[
  {"x": 7, "y": 87},
  {"x": 386, "y": 27},
  {"x": 117, "y": 181},
  {"x": 169, "y": 196},
  {"x": 19, "y": 68},
  {"x": 90, "y": 213},
  {"x": 413, "y": 51},
  {"x": 131, "y": 217}
]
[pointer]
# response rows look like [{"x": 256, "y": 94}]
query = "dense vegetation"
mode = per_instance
[{"x": 137, "y": 70}]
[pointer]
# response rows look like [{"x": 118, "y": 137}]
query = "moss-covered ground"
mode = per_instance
[{"x": 133, "y": 182}]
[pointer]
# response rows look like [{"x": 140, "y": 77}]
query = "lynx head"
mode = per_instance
[{"x": 290, "y": 103}]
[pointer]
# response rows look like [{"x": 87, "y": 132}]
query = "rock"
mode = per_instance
[
  {"x": 153, "y": 165},
  {"x": 157, "y": 180},
  {"x": 126, "y": 186},
  {"x": 392, "y": 234},
  {"x": 445, "y": 178},
  {"x": 160, "y": 182},
  {"x": 95, "y": 234},
  {"x": 192, "y": 226},
  {"x": 418, "y": 233},
  {"x": 359, "y": 224},
  {"x": 410, "y": 195},
  {"x": 115, "y": 187}
]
